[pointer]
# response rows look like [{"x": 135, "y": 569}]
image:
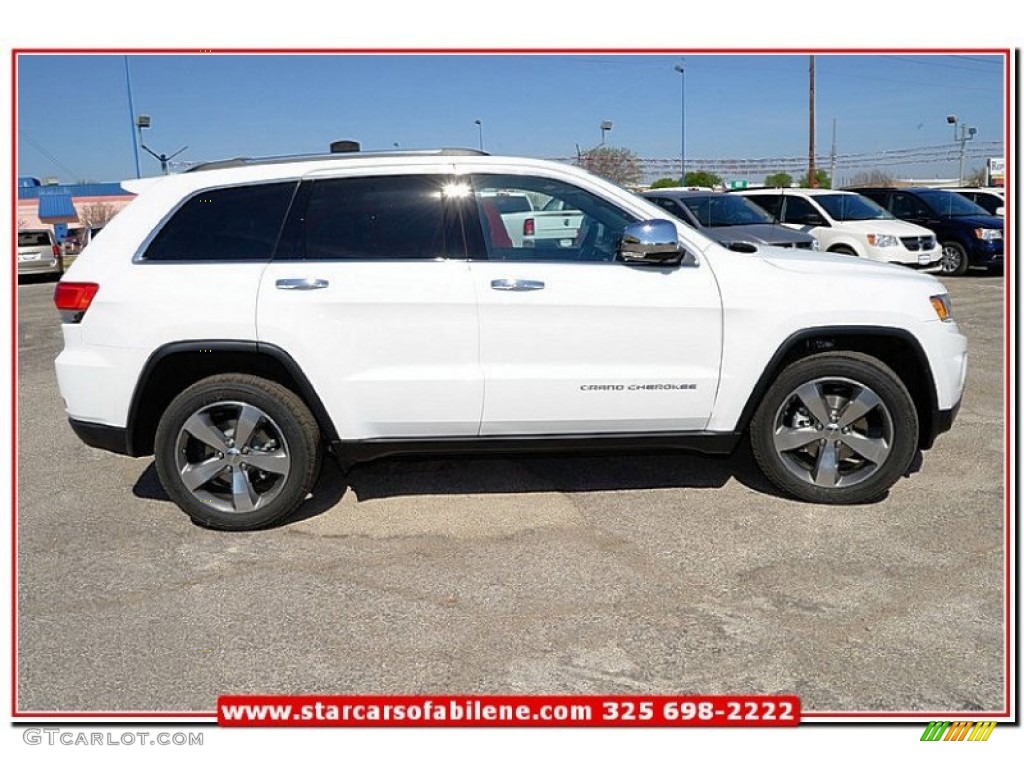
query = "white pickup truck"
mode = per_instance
[
  {"x": 239, "y": 319},
  {"x": 548, "y": 225}
]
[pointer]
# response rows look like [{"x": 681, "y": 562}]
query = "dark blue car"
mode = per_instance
[{"x": 970, "y": 236}]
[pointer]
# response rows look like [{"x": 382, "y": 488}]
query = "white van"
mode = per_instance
[{"x": 845, "y": 222}]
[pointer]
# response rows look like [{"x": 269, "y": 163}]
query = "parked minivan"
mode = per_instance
[
  {"x": 844, "y": 222},
  {"x": 38, "y": 253},
  {"x": 970, "y": 236}
]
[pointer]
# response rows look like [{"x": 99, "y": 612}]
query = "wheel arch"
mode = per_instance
[
  {"x": 177, "y": 365},
  {"x": 843, "y": 245},
  {"x": 896, "y": 347}
]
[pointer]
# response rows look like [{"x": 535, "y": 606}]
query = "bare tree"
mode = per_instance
[
  {"x": 873, "y": 178},
  {"x": 96, "y": 214},
  {"x": 977, "y": 178},
  {"x": 616, "y": 164}
]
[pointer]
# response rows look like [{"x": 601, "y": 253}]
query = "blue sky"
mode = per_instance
[{"x": 73, "y": 118}]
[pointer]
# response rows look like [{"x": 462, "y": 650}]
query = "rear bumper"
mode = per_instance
[
  {"x": 44, "y": 265},
  {"x": 102, "y": 436}
]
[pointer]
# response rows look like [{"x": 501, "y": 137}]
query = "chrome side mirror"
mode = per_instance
[{"x": 651, "y": 242}]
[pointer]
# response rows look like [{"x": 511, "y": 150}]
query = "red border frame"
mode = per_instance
[{"x": 1007, "y": 55}]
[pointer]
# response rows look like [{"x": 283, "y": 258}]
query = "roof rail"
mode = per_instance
[{"x": 239, "y": 162}]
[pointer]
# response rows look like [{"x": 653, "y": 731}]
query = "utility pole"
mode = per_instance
[
  {"x": 682, "y": 122},
  {"x": 832, "y": 163},
  {"x": 812, "y": 182}
]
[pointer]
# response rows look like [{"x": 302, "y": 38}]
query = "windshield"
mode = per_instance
[
  {"x": 950, "y": 203},
  {"x": 852, "y": 208},
  {"x": 724, "y": 210}
]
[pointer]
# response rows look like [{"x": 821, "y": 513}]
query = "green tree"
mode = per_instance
[
  {"x": 665, "y": 182},
  {"x": 778, "y": 180},
  {"x": 617, "y": 164},
  {"x": 820, "y": 176},
  {"x": 702, "y": 179}
]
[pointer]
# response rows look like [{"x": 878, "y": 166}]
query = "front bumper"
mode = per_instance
[
  {"x": 941, "y": 421},
  {"x": 986, "y": 253}
]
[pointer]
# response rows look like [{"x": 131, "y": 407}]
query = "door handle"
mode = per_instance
[
  {"x": 301, "y": 284},
  {"x": 509, "y": 284}
]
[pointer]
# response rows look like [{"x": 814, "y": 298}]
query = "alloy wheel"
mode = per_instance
[
  {"x": 232, "y": 456},
  {"x": 833, "y": 432}
]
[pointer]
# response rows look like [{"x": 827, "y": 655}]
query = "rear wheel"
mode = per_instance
[
  {"x": 237, "y": 452},
  {"x": 835, "y": 428}
]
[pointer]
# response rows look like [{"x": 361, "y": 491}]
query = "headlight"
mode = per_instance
[
  {"x": 988, "y": 234},
  {"x": 883, "y": 241},
  {"x": 942, "y": 306}
]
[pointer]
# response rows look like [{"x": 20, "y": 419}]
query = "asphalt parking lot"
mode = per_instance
[{"x": 663, "y": 573}]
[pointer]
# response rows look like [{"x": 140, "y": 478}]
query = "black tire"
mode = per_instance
[
  {"x": 237, "y": 487},
  {"x": 822, "y": 451},
  {"x": 843, "y": 249},
  {"x": 954, "y": 259}
]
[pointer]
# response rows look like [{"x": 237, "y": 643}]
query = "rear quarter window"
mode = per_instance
[{"x": 225, "y": 224}]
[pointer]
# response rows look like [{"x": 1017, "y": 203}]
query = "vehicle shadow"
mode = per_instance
[
  {"x": 504, "y": 474},
  {"x": 46, "y": 277},
  {"x": 329, "y": 489},
  {"x": 565, "y": 473}
]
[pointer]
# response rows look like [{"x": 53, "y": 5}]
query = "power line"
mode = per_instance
[
  {"x": 43, "y": 151},
  {"x": 756, "y": 166}
]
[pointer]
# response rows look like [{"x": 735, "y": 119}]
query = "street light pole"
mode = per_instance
[
  {"x": 966, "y": 133},
  {"x": 480, "y": 129},
  {"x": 682, "y": 123},
  {"x": 131, "y": 115}
]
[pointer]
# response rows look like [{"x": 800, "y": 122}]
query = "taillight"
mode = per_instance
[
  {"x": 73, "y": 299},
  {"x": 56, "y": 251},
  {"x": 529, "y": 228}
]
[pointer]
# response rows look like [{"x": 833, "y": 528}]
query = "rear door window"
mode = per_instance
[{"x": 378, "y": 218}]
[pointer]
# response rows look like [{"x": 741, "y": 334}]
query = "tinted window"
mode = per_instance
[
  {"x": 384, "y": 217},
  {"x": 800, "y": 211},
  {"x": 852, "y": 207},
  {"x": 770, "y": 203},
  {"x": 672, "y": 206},
  {"x": 229, "y": 224},
  {"x": 725, "y": 211},
  {"x": 908, "y": 207},
  {"x": 33, "y": 239},
  {"x": 570, "y": 225},
  {"x": 950, "y": 203}
]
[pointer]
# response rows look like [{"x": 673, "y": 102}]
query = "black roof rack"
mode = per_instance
[{"x": 240, "y": 162}]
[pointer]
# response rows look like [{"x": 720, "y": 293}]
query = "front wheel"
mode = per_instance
[
  {"x": 954, "y": 259},
  {"x": 237, "y": 452},
  {"x": 835, "y": 428}
]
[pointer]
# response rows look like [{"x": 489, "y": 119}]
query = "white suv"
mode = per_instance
[
  {"x": 239, "y": 319},
  {"x": 845, "y": 222}
]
